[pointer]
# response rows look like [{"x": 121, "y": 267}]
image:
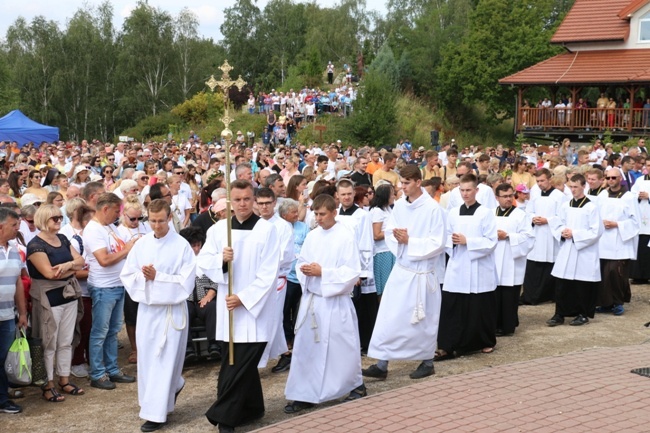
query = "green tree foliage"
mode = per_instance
[
  {"x": 200, "y": 108},
  {"x": 505, "y": 36},
  {"x": 386, "y": 65},
  {"x": 373, "y": 119},
  {"x": 146, "y": 59}
]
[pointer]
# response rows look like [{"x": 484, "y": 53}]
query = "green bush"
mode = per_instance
[
  {"x": 200, "y": 108},
  {"x": 373, "y": 120},
  {"x": 152, "y": 126}
]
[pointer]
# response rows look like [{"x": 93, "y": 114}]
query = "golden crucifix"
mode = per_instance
[{"x": 225, "y": 84}]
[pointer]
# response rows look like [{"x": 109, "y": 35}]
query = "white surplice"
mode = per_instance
[
  {"x": 326, "y": 361},
  {"x": 278, "y": 343},
  {"x": 360, "y": 223},
  {"x": 510, "y": 253},
  {"x": 256, "y": 255},
  {"x": 162, "y": 326},
  {"x": 619, "y": 243},
  {"x": 407, "y": 321},
  {"x": 471, "y": 267},
  {"x": 546, "y": 246},
  {"x": 642, "y": 184},
  {"x": 485, "y": 196},
  {"x": 578, "y": 258}
]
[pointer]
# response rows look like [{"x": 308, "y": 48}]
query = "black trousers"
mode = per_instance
[
  {"x": 366, "y": 306},
  {"x": 615, "y": 283},
  {"x": 573, "y": 297},
  {"x": 207, "y": 315},
  {"x": 290, "y": 311},
  {"x": 239, "y": 390},
  {"x": 640, "y": 268}
]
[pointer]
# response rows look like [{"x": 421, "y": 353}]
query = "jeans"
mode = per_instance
[
  {"x": 7, "y": 337},
  {"x": 108, "y": 314}
]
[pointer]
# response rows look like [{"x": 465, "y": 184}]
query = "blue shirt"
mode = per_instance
[{"x": 300, "y": 230}]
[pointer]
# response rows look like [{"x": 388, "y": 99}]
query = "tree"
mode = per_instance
[
  {"x": 34, "y": 51},
  {"x": 373, "y": 119},
  {"x": 470, "y": 71},
  {"x": 146, "y": 58},
  {"x": 385, "y": 64},
  {"x": 185, "y": 35}
]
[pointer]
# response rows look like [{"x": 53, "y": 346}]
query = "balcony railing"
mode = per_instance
[{"x": 583, "y": 119}]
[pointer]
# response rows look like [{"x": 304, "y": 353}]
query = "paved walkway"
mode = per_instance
[{"x": 589, "y": 391}]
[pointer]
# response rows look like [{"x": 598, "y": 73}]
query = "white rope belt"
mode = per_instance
[
  {"x": 169, "y": 320},
  {"x": 310, "y": 310},
  {"x": 418, "y": 310}
]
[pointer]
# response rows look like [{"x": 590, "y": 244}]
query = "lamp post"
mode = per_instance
[{"x": 226, "y": 135}]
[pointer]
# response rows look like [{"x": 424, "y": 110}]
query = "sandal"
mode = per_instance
[
  {"x": 297, "y": 406},
  {"x": 441, "y": 355},
  {"x": 357, "y": 393},
  {"x": 74, "y": 391},
  {"x": 133, "y": 358},
  {"x": 55, "y": 396}
]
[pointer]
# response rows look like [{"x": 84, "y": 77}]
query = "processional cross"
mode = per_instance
[{"x": 225, "y": 84}]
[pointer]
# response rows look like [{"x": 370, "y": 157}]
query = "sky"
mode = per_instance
[{"x": 209, "y": 12}]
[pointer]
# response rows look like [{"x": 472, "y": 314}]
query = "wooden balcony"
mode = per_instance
[{"x": 550, "y": 122}]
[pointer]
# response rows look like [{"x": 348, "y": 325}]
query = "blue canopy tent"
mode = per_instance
[{"x": 15, "y": 126}]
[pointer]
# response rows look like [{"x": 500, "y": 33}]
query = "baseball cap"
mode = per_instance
[{"x": 522, "y": 188}]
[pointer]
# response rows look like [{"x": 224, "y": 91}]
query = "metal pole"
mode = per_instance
[{"x": 227, "y": 135}]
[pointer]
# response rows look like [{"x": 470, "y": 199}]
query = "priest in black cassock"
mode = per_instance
[{"x": 255, "y": 257}]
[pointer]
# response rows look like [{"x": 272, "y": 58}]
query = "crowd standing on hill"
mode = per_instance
[{"x": 430, "y": 253}]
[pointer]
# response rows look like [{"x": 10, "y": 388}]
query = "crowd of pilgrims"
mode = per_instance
[{"x": 429, "y": 255}]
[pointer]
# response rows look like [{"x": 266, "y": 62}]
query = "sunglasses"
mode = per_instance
[
  {"x": 111, "y": 159},
  {"x": 29, "y": 221},
  {"x": 178, "y": 172},
  {"x": 140, "y": 218},
  {"x": 144, "y": 178},
  {"x": 56, "y": 219},
  {"x": 22, "y": 171},
  {"x": 108, "y": 171},
  {"x": 612, "y": 177}
]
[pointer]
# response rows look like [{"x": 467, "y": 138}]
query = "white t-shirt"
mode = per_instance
[
  {"x": 127, "y": 233},
  {"x": 378, "y": 215},
  {"x": 97, "y": 237}
]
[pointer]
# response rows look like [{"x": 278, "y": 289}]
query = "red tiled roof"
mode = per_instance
[
  {"x": 634, "y": 6},
  {"x": 587, "y": 68},
  {"x": 594, "y": 21}
]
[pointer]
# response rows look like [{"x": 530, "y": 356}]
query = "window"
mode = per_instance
[{"x": 644, "y": 28}]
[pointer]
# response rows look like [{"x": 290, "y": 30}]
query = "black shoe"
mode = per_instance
[
  {"x": 214, "y": 352},
  {"x": 500, "y": 333},
  {"x": 283, "y": 364},
  {"x": 226, "y": 428},
  {"x": 374, "y": 371},
  {"x": 579, "y": 321},
  {"x": 297, "y": 406},
  {"x": 635, "y": 282},
  {"x": 422, "y": 371},
  {"x": 102, "y": 383},
  {"x": 152, "y": 426},
  {"x": 555, "y": 320},
  {"x": 121, "y": 378},
  {"x": 190, "y": 356}
]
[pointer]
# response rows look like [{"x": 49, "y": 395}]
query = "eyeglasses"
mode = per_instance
[
  {"x": 612, "y": 177},
  {"x": 56, "y": 219},
  {"x": 24, "y": 170},
  {"x": 264, "y": 203},
  {"x": 28, "y": 221},
  {"x": 111, "y": 159},
  {"x": 506, "y": 196},
  {"x": 144, "y": 178},
  {"x": 140, "y": 218}
]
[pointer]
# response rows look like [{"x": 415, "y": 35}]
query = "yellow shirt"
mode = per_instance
[{"x": 382, "y": 174}]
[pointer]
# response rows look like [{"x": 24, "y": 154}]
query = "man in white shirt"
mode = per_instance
[{"x": 106, "y": 255}]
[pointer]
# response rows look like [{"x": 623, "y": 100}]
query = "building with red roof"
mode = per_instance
[{"x": 601, "y": 82}]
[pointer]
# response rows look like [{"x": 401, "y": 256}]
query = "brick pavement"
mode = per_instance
[{"x": 588, "y": 391}]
